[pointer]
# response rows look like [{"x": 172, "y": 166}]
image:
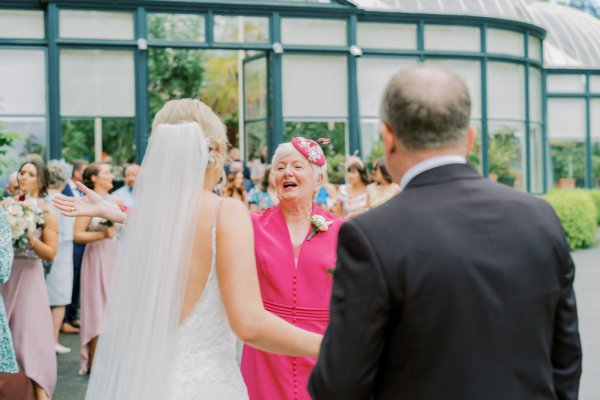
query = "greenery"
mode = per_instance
[
  {"x": 595, "y": 196},
  {"x": 568, "y": 160},
  {"x": 505, "y": 155},
  {"x": 335, "y": 150},
  {"x": 117, "y": 139},
  {"x": 7, "y": 141},
  {"x": 577, "y": 214}
]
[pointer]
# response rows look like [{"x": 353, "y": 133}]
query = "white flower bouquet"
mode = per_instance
[{"x": 25, "y": 214}]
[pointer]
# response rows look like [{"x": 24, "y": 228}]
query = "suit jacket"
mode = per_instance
[{"x": 457, "y": 288}]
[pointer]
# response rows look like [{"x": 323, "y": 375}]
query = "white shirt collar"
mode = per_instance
[{"x": 428, "y": 164}]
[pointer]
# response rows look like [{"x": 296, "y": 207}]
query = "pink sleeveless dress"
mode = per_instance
[{"x": 297, "y": 292}]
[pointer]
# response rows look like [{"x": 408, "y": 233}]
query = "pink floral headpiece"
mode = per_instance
[{"x": 311, "y": 149}]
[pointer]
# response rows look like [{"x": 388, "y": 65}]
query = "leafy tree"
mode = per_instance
[{"x": 7, "y": 141}]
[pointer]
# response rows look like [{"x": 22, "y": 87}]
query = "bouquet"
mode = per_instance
[
  {"x": 25, "y": 214},
  {"x": 99, "y": 224}
]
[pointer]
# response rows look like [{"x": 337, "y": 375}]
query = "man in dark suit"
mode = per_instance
[{"x": 457, "y": 288}]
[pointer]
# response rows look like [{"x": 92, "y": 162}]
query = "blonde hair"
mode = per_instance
[{"x": 193, "y": 110}]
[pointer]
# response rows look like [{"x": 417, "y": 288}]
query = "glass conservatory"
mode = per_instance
[{"x": 83, "y": 78}]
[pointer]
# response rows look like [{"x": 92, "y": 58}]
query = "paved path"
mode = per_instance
[{"x": 587, "y": 288}]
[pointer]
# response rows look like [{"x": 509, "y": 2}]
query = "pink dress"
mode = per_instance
[
  {"x": 299, "y": 294},
  {"x": 28, "y": 312},
  {"x": 97, "y": 266}
]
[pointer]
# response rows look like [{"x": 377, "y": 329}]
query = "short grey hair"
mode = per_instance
[
  {"x": 58, "y": 176},
  {"x": 428, "y": 108},
  {"x": 285, "y": 149}
]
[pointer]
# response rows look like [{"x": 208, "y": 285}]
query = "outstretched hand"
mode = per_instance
[{"x": 90, "y": 205}]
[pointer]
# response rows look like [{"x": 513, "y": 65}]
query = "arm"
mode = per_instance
[
  {"x": 360, "y": 303},
  {"x": 241, "y": 294},
  {"x": 82, "y": 236},
  {"x": 47, "y": 247},
  {"x": 566, "y": 347},
  {"x": 92, "y": 205}
]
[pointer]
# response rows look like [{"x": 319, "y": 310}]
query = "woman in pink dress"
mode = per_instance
[
  {"x": 294, "y": 262},
  {"x": 25, "y": 295},
  {"x": 97, "y": 265}
]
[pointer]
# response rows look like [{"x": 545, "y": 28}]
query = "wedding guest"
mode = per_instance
[
  {"x": 293, "y": 263},
  {"x": 352, "y": 197},
  {"x": 25, "y": 295},
  {"x": 459, "y": 288},
  {"x": 60, "y": 278},
  {"x": 97, "y": 265},
  {"x": 235, "y": 164},
  {"x": 71, "y": 323},
  {"x": 258, "y": 165},
  {"x": 234, "y": 187},
  {"x": 125, "y": 192},
  {"x": 12, "y": 186},
  {"x": 8, "y": 362},
  {"x": 264, "y": 194},
  {"x": 382, "y": 189}
]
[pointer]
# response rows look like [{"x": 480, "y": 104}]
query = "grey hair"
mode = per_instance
[
  {"x": 285, "y": 149},
  {"x": 428, "y": 108}
]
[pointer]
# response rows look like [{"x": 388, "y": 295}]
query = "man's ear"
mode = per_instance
[
  {"x": 471, "y": 136},
  {"x": 389, "y": 139}
]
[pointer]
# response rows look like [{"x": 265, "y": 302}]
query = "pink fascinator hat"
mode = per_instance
[{"x": 311, "y": 149}]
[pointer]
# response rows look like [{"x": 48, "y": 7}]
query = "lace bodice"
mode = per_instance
[{"x": 206, "y": 366}]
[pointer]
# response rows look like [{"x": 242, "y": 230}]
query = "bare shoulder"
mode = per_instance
[{"x": 233, "y": 212}]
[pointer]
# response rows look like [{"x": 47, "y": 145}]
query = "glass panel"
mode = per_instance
[
  {"x": 506, "y": 149},
  {"x": 505, "y": 42},
  {"x": 566, "y": 119},
  {"x": 387, "y": 36},
  {"x": 453, "y": 38},
  {"x": 325, "y": 94},
  {"x": 474, "y": 157},
  {"x": 566, "y": 83},
  {"x": 595, "y": 133},
  {"x": 115, "y": 139},
  {"x": 80, "y": 24},
  {"x": 470, "y": 72},
  {"x": 18, "y": 24},
  {"x": 535, "y": 94},
  {"x": 97, "y": 83},
  {"x": 596, "y": 163},
  {"x": 32, "y": 138},
  {"x": 595, "y": 118},
  {"x": 184, "y": 27},
  {"x": 535, "y": 48},
  {"x": 506, "y": 91},
  {"x": 595, "y": 83},
  {"x": 536, "y": 158},
  {"x": 22, "y": 82},
  {"x": 568, "y": 163},
  {"x": 370, "y": 140},
  {"x": 335, "y": 151},
  {"x": 255, "y": 89},
  {"x": 374, "y": 74},
  {"x": 321, "y": 32},
  {"x": 241, "y": 29},
  {"x": 256, "y": 139}
]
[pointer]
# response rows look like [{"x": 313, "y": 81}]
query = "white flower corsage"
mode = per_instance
[{"x": 318, "y": 224}]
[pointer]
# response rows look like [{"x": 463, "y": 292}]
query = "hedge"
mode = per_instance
[
  {"x": 578, "y": 214},
  {"x": 595, "y": 195}
]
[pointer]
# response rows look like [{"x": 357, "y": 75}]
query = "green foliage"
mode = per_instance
[
  {"x": 568, "y": 159},
  {"x": 595, "y": 196},
  {"x": 377, "y": 151},
  {"x": 504, "y": 152},
  {"x": 7, "y": 142},
  {"x": 117, "y": 139},
  {"x": 335, "y": 151},
  {"x": 577, "y": 214}
]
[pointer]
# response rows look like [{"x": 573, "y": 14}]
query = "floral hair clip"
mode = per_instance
[{"x": 311, "y": 149}]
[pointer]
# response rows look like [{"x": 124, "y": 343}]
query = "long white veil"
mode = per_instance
[{"x": 135, "y": 354}]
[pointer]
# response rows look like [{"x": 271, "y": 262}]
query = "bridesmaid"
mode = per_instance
[
  {"x": 382, "y": 189},
  {"x": 97, "y": 265},
  {"x": 293, "y": 267},
  {"x": 353, "y": 197},
  {"x": 25, "y": 294}
]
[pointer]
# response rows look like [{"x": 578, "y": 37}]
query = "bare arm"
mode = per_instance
[
  {"x": 91, "y": 205},
  {"x": 47, "y": 247},
  {"x": 82, "y": 236},
  {"x": 241, "y": 294}
]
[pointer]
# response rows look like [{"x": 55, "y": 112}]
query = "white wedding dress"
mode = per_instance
[{"x": 206, "y": 366}]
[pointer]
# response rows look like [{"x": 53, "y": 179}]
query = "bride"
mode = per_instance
[{"x": 185, "y": 283}]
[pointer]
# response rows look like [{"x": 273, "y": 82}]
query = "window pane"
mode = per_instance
[
  {"x": 453, "y": 38},
  {"x": 184, "y": 27},
  {"x": 387, "y": 36},
  {"x": 470, "y": 72},
  {"x": 505, "y": 42},
  {"x": 17, "y": 24},
  {"x": 536, "y": 158},
  {"x": 324, "y": 94},
  {"x": 535, "y": 94},
  {"x": 595, "y": 133},
  {"x": 313, "y": 31},
  {"x": 370, "y": 140},
  {"x": 96, "y": 25},
  {"x": 335, "y": 151},
  {"x": 374, "y": 74},
  {"x": 22, "y": 82},
  {"x": 255, "y": 89},
  {"x": 595, "y": 83},
  {"x": 506, "y": 91},
  {"x": 240, "y": 29},
  {"x": 596, "y": 163},
  {"x": 256, "y": 139},
  {"x": 568, "y": 163},
  {"x": 535, "y": 48},
  {"x": 97, "y": 83},
  {"x": 566, "y": 83},
  {"x": 566, "y": 119},
  {"x": 33, "y": 132},
  {"x": 595, "y": 118},
  {"x": 506, "y": 149}
]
